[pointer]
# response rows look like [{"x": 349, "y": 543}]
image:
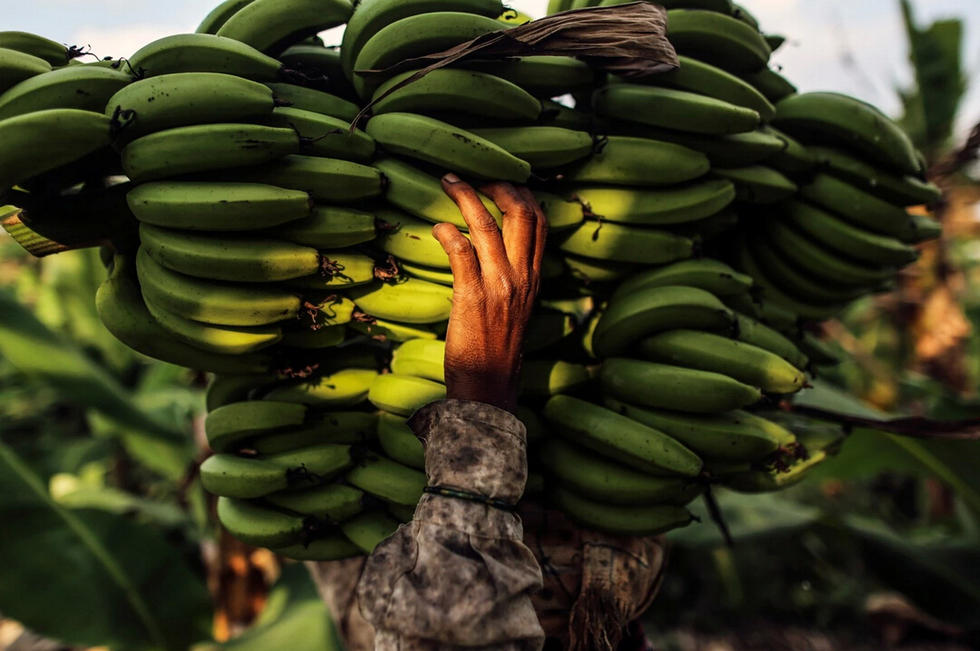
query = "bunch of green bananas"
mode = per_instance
[{"x": 702, "y": 221}]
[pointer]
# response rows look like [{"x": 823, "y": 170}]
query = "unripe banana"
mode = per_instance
[
  {"x": 330, "y": 502},
  {"x": 309, "y": 99},
  {"x": 717, "y": 39},
  {"x": 220, "y": 15},
  {"x": 424, "y": 358},
  {"x": 399, "y": 442},
  {"x": 327, "y": 136},
  {"x": 86, "y": 88},
  {"x": 758, "y": 183},
  {"x": 771, "y": 84},
  {"x": 700, "y": 77},
  {"x": 273, "y": 25},
  {"x": 330, "y": 180},
  {"x": 625, "y": 243},
  {"x": 543, "y": 76},
  {"x": 340, "y": 269},
  {"x": 709, "y": 352},
  {"x": 641, "y": 162},
  {"x": 16, "y": 67},
  {"x": 543, "y": 147},
  {"x": 216, "y": 206},
  {"x": 334, "y": 547},
  {"x": 329, "y": 227},
  {"x": 655, "y": 207},
  {"x": 673, "y": 109},
  {"x": 585, "y": 473},
  {"x": 410, "y": 239},
  {"x": 226, "y": 389},
  {"x": 211, "y": 301},
  {"x": 235, "y": 258},
  {"x": 345, "y": 427},
  {"x": 620, "y": 438},
  {"x": 409, "y": 300},
  {"x": 382, "y": 330},
  {"x": 758, "y": 334},
  {"x": 561, "y": 214},
  {"x": 369, "y": 530},
  {"x": 621, "y": 520},
  {"x": 206, "y": 147},
  {"x": 813, "y": 258},
  {"x": 387, "y": 480},
  {"x": 464, "y": 91},
  {"x": 229, "y": 475},
  {"x": 858, "y": 207},
  {"x": 545, "y": 378},
  {"x": 785, "y": 274},
  {"x": 764, "y": 481},
  {"x": 203, "y": 53},
  {"x": 899, "y": 190},
  {"x": 404, "y": 394},
  {"x": 344, "y": 388},
  {"x": 53, "y": 52},
  {"x": 307, "y": 339},
  {"x": 674, "y": 387},
  {"x": 656, "y": 309},
  {"x": 229, "y": 425},
  {"x": 446, "y": 146},
  {"x": 420, "y": 194},
  {"x": 259, "y": 525},
  {"x": 732, "y": 150},
  {"x": 710, "y": 275}
]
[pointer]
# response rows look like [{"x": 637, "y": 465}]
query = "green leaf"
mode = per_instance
[
  {"x": 43, "y": 354},
  {"x": 294, "y": 618},
  {"x": 92, "y": 578}
]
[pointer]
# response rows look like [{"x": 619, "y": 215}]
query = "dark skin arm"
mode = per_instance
[{"x": 496, "y": 277}]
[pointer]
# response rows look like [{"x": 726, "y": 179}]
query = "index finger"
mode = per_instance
[
  {"x": 519, "y": 226},
  {"x": 484, "y": 233}
]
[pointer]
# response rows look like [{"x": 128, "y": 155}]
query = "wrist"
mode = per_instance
[{"x": 489, "y": 389}]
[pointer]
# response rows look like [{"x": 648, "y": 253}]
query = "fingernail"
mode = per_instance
[{"x": 451, "y": 178}]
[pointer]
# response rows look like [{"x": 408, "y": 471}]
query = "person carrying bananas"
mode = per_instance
[{"x": 476, "y": 569}]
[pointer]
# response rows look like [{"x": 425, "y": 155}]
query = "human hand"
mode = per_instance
[{"x": 496, "y": 277}]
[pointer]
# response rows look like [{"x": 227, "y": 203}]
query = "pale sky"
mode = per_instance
[{"x": 853, "y": 46}]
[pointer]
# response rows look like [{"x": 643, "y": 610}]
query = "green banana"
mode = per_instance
[
  {"x": 399, "y": 442},
  {"x": 62, "y": 135},
  {"x": 369, "y": 530},
  {"x": 722, "y": 6},
  {"x": 316, "y": 101},
  {"x": 654, "y": 207},
  {"x": 344, "y": 388},
  {"x": 544, "y": 378},
  {"x": 382, "y": 330},
  {"x": 758, "y": 184},
  {"x": 794, "y": 159},
  {"x": 670, "y": 108},
  {"x": 710, "y": 352},
  {"x": 858, "y": 207},
  {"x": 387, "y": 480},
  {"x": 700, "y": 77},
  {"x": 640, "y": 162},
  {"x": 924, "y": 229},
  {"x": 228, "y": 426},
  {"x": 866, "y": 247},
  {"x": 226, "y": 389},
  {"x": 350, "y": 427},
  {"x": 414, "y": 36},
  {"x": 409, "y": 300},
  {"x": 424, "y": 358},
  {"x": 817, "y": 260},
  {"x": 188, "y": 98},
  {"x": 329, "y": 227},
  {"x": 334, "y": 547},
  {"x": 620, "y": 438},
  {"x": 421, "y": 195},
  {"x": 674, "y": 387},
  {"x": 543, "y": 147},
  {"x": 822, "y": 353},
  {"x": 205, "y": 147},
  {"x": 585, "y": 473},
  {"x": 86, "y": 88},
  {"x": 763, "y": 481},
  {"x": 273, "y": 25},
  {"x": 410, "y": 239},
  {"x": 204, "y": 53},
  {"x": 370, "y": 16},
  {"x": 330, "y": 180},
  {"x": 330, "y": 502},
  {"x": 465, "y": 91},
  {"x": 561, "y": 214},
  {"x": 895, "y": 189},
  {"x": 732, "y": 150},
  {"x": 259, "y": 525},
  {"x": 656, "y": 309},
  {"x": 717, "y": 39},
  {"x": 307, "y": 339},
  {"x": 446, "y": 146},
  {"x": 16, "y": 67},
  {"x": 229, "y": 475},
  {"x": 591, "y": 271},
  {"x": 404, "y": 394},
  {"x": 625, "y": 243},
  {"x": 710, "y": 275},
  {"x": 771, "y": 84},
  {"x": 54, "y": 53},
  {"x": 758, "y": 334},
  {"x": 328, "y": 136},
  {"x": 543, "y": 76},
  {"x": 438, "y": 276},
  {"x": 235, "y": 258},
  {"x": 220, "y": 15},
  {"x": 555, "y": 114},
  {"x": 216, "y": 206},
  {"x": 556, "y": 6},
  {"x": 621, "y": 520},
  {"x": 732, "y": 436},
  {"x": 852, "y": 123},
  {"x": 227, "y": 340},
  {"x": 340, "y": 269},
  {"x": 213, "y": 302},
  {"x": 122, "y": 310}
]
